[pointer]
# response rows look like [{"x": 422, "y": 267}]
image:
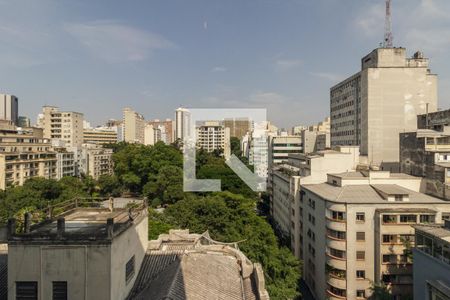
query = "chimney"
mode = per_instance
[
  {"x": 60, "y": 227},
  {"x": 11, "y": 227},
  {"x": 26, "y": 222},
  {"x": 110, "y": 227}
]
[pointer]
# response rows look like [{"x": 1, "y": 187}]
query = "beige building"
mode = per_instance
[
  {"x": 82, "y": 253},
  {"x": 167, "y": 129},
  {"x": 133, "y": 126},
  {"x": 213, "y": 135},
  {"x": 239, "y": 127},
  {"x": 24, "y": 155},
  {"x": 373, "y": 106},
  {"x": 316, "y": 137},
  {"x": 285, "y": 180},
  {"x": 94, "y": 160},
  {"x": 65, "y": 126},
  {"x": 361, "y": 225},
  {"x": 101, "y": 135},
  {"x": 66, "y": 164}
]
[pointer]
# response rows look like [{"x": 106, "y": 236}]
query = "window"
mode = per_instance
[
  {"x": 360, "y": 274},
  {"x": 389, "y": 258},
  {"x": 389, "y": 238},
  {"x": 360, "y": 255},
  {"x": 426, "y": 218},
  {"x": 361, "y": 294},
  {"x": 360, "y": 217},
  {"x": 398, "y": 198},
  {"x": 26, "y": 290},
  {"x": 360, "y": 236},
  {"x": 389, "y": 219},
  {"x": 408, "y": 218},
  {"x": 59, "y": 290},
  {"x": 129, "y": 269},
  {"x": 336, "y": 253}
]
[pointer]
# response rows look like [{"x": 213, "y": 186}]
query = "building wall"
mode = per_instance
[
  {"x": 133, "y": 126},
  {"x": 132, "y": 242},
  {"x": 85, "y": 268},
  {"x": 373, "y": 106},
  {"x": 9, "y": 108},
  {"x": 435, "y": 270}
]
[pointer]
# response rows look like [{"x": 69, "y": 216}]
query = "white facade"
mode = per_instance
[
  {"x": 213, "y": 135},
  {"x": 182, "y": 123},
  {"x": 281, "y": 146}
]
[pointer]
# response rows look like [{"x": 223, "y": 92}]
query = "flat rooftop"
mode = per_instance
[
  {"x": 365, "y": 193},
  {"x": 438, "y": 231},
  {"x": 77, "y": 221}
]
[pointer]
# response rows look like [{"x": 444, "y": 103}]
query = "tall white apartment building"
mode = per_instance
[
  {"x": 9, "y": 108},
  {"x": 373, "y": 106},
  {"x": 182, "y": 123},
  {"x": 66, "y": 164},
  {"x": 133, "y": 126},
  {"x": 66, "y": 126},
  {"x": 94, "y": 160},
  {"x": 213, "y": 135},
  {"x": 357, "y": 229}
]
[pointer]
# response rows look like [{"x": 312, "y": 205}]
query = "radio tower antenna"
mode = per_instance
[{"x": 388, "y": 26}]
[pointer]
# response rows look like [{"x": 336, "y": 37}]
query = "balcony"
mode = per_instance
[
  {"x": 337, "y": 282},
  {"x": 336, "y": 243},
  {"x": 336, "y": 224},
  {"x": 333, "y": 296},
  {"x": 336, "y": 262}
]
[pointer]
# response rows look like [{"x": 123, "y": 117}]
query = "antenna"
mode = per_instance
[{"x": 388, "y": 26}]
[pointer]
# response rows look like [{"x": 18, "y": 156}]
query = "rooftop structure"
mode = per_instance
[
  {"x": 81, "y": 250},
  {"x": 432, "y": 253},
  {"x": 180, "y": 265}
]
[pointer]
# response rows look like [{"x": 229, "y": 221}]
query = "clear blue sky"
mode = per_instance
[{"x": 97, "y": 57}]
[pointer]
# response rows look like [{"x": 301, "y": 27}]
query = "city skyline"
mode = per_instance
[{"x": 155, "y": 59}]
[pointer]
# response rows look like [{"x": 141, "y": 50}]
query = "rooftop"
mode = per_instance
[
  {"x": 180, "y": 265},
  {"x": 78, "y": 221},
  {"x": 438, "y": 231},
  {"x": 365, "y": 193}
]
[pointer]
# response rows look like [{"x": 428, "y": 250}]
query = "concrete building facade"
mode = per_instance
[
  {"x": 432, "y": 253},
  {"x": 86, "y": 253},
  {"x": 133, "y": 126},
  {"x": 182, "y": 123},
  {"x": 373, "y": 106},
  {"x": 212, "y": 136},
  {"x": 62, "y": 125},
  {"x": 281, "y": 146},
  {"x": 100, "y": 135},
  {"x": 366, "y": 218},
  {"x": 9, "y": 108},
  {"x": 24, "y": 155}
]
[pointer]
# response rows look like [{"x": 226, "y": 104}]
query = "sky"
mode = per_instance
[{"x": 99, "y": 56}]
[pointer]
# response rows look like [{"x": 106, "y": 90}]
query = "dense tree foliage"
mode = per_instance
[
  {"x": 156, "y": 173},
  {"x": 230, "y": 218}
]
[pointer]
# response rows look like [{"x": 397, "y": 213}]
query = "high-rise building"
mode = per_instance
[
  {"x": 373, "y": 106},
  {"x": 9, "y": 108},
  {"x": 166, "y": 128},
  {"x": 238, "y": 126},
  {"x": 133, "y": 126},
  {"x": 357, "y": 230},
  {"x": 182, "y": 123},
  {"x": 213, "y": 135},
  {"x": 94, "y": 160},
  {"x": 62, "y": 125}
]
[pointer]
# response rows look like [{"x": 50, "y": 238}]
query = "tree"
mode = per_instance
[
  {"x": 167, "y": 186},
  {"x": 109, "y": 185},
  {"x": 230, "y": 218}
]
